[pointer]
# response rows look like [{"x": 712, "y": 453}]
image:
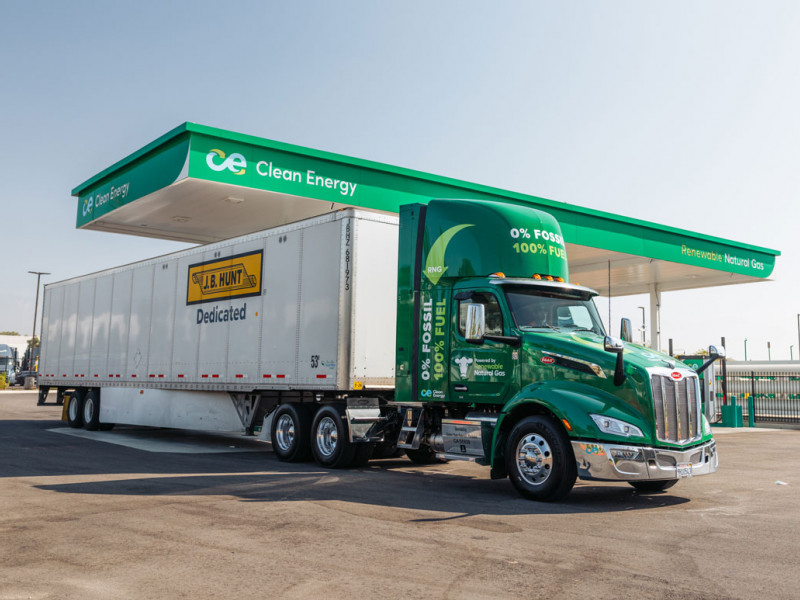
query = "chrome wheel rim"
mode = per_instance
[
  {"x": 285, "y": 432},
  {"x": 534, "y": 459},
  {"x": 88, "y": 410},
  {"x": 327, "y": 436},
  {"x": 73, "y": 408}
]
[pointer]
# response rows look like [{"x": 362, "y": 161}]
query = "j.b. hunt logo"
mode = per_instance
[{"x": 235, "y": 163}]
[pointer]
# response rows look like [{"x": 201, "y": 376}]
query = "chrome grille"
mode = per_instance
[{"x": 677, "y": 409}]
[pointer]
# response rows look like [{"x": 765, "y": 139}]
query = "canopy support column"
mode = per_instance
[{"x": 655, "y": 316}]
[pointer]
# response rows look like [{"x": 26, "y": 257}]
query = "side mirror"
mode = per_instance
[
  {"x": 612, "y": 344},
  {"x": 617, "y": 346},
  {"x": 476, "y": 323},
  {"x": 626, "y": 330},
  {"x": 718, "y": 351},
  {"x": 714, "y": 352}
]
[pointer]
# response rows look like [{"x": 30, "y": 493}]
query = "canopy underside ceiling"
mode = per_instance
[{"x": 199, "y": 211}]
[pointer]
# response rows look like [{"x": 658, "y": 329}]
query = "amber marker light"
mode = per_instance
[{"x": 566, "y": 424}]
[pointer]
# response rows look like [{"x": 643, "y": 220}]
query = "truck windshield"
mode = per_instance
[{"x": 535, "y": 309}]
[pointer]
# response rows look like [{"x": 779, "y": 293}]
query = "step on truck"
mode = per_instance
[{"x": 449, "y": 333}]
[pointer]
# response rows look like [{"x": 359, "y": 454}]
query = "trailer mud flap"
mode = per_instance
[{"x": 364, "y": 420}]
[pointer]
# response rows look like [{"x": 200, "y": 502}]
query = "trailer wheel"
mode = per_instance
[
  {"x": 329, "y": 442},
  {"x": 91, "y": 410},
  {"x": 75, "y": 410},
  {"x": 653, "y": 486},
  {"x": 539, "y": 459},
  {"x": 291, "y": 430}
]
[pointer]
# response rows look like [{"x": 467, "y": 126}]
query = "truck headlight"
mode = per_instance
[{"x": 616, "y": 427}]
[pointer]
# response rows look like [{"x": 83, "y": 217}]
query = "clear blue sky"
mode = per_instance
[{"x": 684, "y": 113}]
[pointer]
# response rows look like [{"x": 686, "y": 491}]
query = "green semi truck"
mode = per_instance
[
  {"x": 475, "y": 346},
  {"x": 509, "y": 363}
]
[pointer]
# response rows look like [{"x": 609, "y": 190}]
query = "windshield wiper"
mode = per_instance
[{"x": 548, "y": 326}]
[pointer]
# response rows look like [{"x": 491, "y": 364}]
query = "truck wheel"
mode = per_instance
[
  {"x": 75, "y": 410},
  {"x": 91, "y": 410},
  {"x": 653, "y": 486},
  {"x": 329, "y": 442},
  {"x": 539, "y": 459},
  {"x": 387, "y": 449},
  {"x": 364, "y": 452},
  {"x": 425, "y": 455},
  {"x": 291, "y": 430}
]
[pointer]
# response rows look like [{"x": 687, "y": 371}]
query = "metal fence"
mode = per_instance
[{"x": 776, "y": 396}]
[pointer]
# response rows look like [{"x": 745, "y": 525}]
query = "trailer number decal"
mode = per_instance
[{"x": 234, "y": 277}]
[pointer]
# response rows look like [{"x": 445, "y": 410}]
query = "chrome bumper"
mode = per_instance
[{"x": 618, "y": 462}]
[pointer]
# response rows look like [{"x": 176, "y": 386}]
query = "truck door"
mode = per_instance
[{"x": 480, "y": 373}]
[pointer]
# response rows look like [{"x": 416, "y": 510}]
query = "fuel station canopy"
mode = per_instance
[{"x": 200, "y": 184}]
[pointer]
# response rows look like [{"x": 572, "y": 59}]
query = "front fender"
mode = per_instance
[{"x": 566, "y": 401}]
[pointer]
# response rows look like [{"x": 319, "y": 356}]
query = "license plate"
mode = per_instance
[{"x": 684, "y": 470}]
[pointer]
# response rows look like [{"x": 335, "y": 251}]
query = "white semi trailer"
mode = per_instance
[{"x": 182, "y": 340}]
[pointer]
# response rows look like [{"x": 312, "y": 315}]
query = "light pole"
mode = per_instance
[
  {"x": 791, "y": 353},
  {"x": 769, "y": 351},
  {"x": 643, "y": 325},
  {"x": 745, "y": 349},
  {"x": 35, "y": 311}
]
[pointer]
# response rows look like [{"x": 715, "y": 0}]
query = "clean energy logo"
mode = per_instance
[
  {"x": 235, "y": 163},
  {"x": 88, "y": 204}
]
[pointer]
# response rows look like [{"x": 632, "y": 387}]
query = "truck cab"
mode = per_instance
[{"x": 513, "y": 368}]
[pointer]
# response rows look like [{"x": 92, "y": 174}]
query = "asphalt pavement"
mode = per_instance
[{"x": 147, "y": 513}]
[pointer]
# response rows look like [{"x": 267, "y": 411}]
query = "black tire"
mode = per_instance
[
  {"x": 653, "y": 486},
  {"x": 364, "y": 452},
  {"x": 91, "y": 410},
  {"x": 329, "y": 439},
  {"x": 424, "y": 455},
  {"x": 75, "y": 410},
  {"x": 291, "y": 433},
  {"x": 539, "y": 459},
  {"x": 387, "y": 449}
]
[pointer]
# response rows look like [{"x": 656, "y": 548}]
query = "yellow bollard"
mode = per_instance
[{"x": 67, "y": 398}]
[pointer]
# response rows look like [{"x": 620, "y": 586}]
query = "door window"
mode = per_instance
[{"x": 494, "y": 316}]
